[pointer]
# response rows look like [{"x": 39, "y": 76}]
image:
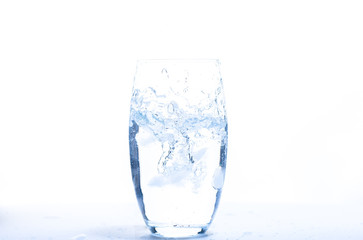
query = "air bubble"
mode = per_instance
[{"x": 218, "y": 178}]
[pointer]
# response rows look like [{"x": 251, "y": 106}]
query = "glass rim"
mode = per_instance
[{"x": 216, "y": 60}]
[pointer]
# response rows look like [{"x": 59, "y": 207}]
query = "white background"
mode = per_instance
[{"x": 292, "y": 71}]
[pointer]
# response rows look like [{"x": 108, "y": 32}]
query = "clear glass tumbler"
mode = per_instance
[{"x": 178, "y": 144}]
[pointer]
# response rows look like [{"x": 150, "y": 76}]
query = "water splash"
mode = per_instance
[{"x": 180, "y": 130}]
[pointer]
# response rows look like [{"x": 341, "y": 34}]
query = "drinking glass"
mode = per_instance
[{"x": 178, "y": 144}]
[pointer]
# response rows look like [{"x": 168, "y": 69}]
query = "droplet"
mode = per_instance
[
  {"x": 197, "y": 172},
  {"x": 165, "y": 72},
  {"x": 218, "y": 91},
  {"x": 136, "y": 93},
  {"x": 171, "y": 108},
  {"x": 186, "y": 77}
]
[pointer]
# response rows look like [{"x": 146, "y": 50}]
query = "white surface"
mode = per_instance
[
  {"x": 293, "y": 79},
  {"x": 233, "y": 221}
]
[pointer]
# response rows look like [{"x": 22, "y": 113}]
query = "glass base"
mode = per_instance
[{"x": 177, "y": 231}]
